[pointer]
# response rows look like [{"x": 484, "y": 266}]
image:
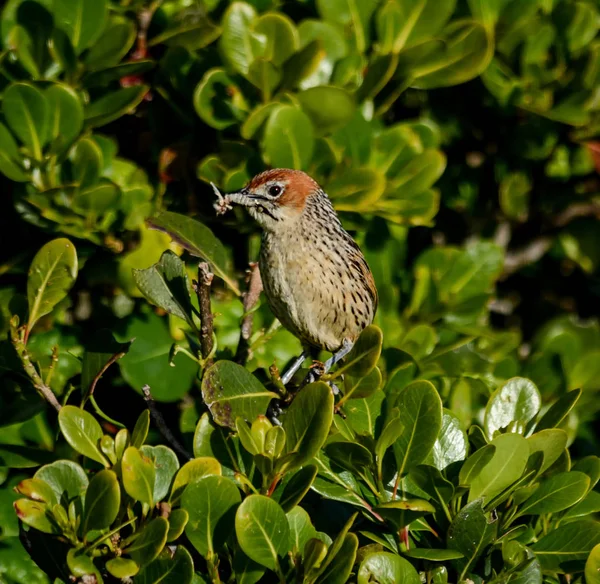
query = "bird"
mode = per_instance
[{"x": 315, "y": 277}]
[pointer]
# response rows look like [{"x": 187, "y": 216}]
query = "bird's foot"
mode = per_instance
[{"x": 274, "y": 411}]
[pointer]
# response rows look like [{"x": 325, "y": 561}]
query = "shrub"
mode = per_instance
[{"x": 457, "y": 141}]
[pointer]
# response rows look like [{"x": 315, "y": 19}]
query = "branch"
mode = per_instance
[
  {"x": 531, "y": 253},
  {"x": 575, "y": 211},
  {"x": 250, "y": 299},
  {"x": 19, "y": 344},
  {"x": 162, "y": 425},
  {"x": 202, "y": 289}
]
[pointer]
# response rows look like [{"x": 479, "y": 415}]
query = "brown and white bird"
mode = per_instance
[{"x": 315, "y": 277}]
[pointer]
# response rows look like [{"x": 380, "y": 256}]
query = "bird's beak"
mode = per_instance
[{"x": 243, "y": 197}]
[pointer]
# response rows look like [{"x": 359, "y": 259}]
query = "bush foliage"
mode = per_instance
[{"x": 457, "y": 140}]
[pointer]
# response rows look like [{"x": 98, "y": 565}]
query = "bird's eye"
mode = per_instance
[{"x": 274, "y": 191}]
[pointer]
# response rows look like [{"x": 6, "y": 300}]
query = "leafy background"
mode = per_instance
[{"x": 458, "y": 141}]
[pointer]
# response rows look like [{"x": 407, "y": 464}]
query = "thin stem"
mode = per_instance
[
  {"x": 250, "y": 301},
  {"x": 202, "y": 289},
  {"x": 19, "y": 344},
  {"x": 391, "y": 99},
  {"x": 102, "y": 371},
  {"x": 162, "y": 425}
]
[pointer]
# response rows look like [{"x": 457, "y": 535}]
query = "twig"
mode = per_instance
[
  {"x": 531, "y": 253},
  {"x": 102, "y": 371},
  {"x": 250, "y": 299},
  {"x": 575, "y": 211},
  {"x": 19, "y": 345},
  {"x": 162, "y": 425},
  {"x": 202, "y": 289}
]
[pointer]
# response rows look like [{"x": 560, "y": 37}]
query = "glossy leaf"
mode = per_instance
[
  {"x": 262, "y": 530},
  {"x": 211, "y": 503},
  {"x": 289, "y": 138},
  {"x": 66, "y": 116},
  {"x": 505, "y": 467},
  {"x": 197, "y": 239},
  {"x": 592, "y": 566},
  {"x": 102, "y": 501},
  {"x": 82, "y": 432},
  {"x": 149, "y": 542},
  {"x": 231, "y": 391},
  {"x": 420, "y": 414},
  {"x": 517, "y": 402},
  {"x": 51, "y": 275},
  {"x": 191, "y": 472},
  {"x": 450, "y": 445},
  {"x": 364, "y": 355},
  {"x": 168, "y": 568},
  {"x": 307, "y": 423},
  {"x": 82, "y": 20},
  {"x": 114, "y": 105},
  {"x": 551, "y": 443},
  {"x": 165, "y": 466},
  {"x": 295, "y": 489},
  {"x": 27, "y": 113},
  {"x": 138, "y": 475},
  {"x": 386, "y": 568},
  {"x": 64, "y": 477},
  {"x": 557, "y": 493}
]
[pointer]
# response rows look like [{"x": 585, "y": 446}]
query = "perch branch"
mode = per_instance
[
  {"x": 162, "y": 425},
  {"x": 19, "y": 344},
  {"x": 202, "y": 289},
  {"x": 250, "y": 299}
]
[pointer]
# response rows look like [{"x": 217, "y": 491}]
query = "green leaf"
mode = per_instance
[
  {"x": 592, "y": 566},
  {"x": 178, "y": 519},
  {"x": 37, "y": 490},
  {"x": 590, "y": 465},
  {"x": 473, "y": 466},
  {"x": 10, "y": 157},
  {"x": 512, "y": 406},
  {"x": 557, "y": 493},
  {"x": 506, "y": 466},
  {"x": 341, "y": 564},
  {"x": 165, "y": 466},
  {"x": 265, "y": 76},
  {"x": 403, "y": 513},
  {"x": 36, "y": 515},
  {"x": 588, "y": 505},
  {"x": 362, "y": 414},
  {"x": 116, "y": 41},
  {"x": 307, "y": 423},
  {"x": 301, "y": 529},
  {"x": 421, "y": 417},
  {"x": 127, "y": 69},
  {"x": 566, "y": 550},
  {"x": 551, "y": 443},
  {"x": 514, "y": 195},
  {"x": 197, "y": 239},
  {"x": 433, "y": 555},
  {"x": 281, "y": 37},
  {"x": 165, "y": 284},
  {"x": 350, "y": 456},
  {"x": 471, "y": 531},
  {"x": 295, "y": 489},
  {"x": 168, "y": 568},
  {"x": 231, "y": 391},
  {"x": 27, "y": 113},
  {"x": 64, "y": 477},
  {"x": 211, "y": 503},
  {"x": 365, "y": 354},
  {"x": 289, "y": 138},
  {"x": 464, "y": 51},
  {"x": 140, "y": 430},
  {"x": 353, "y": 16},
  {"x": 82, "y": 20},
  {"x": 102, "y": 501},
  {"x": 329, "y": 107},
  {"x": 113, "y": 105},
  {"x": 122, "y": 568},
  {"x": 51, "y": 275},
  {"x": 559, "y": 410},
  {"x": 238, "y": 42},
  {"x": 148, "y": 360},
  {"x": 450, "y": 445},
  {"x": 386, "y": 568},
  {"x": 149, "y": 542},
  {"x": 357, "y": 189},
  {"x": 218, "y": 99},
  {"x": 262, "y": 530},
  {"x": 66, "y": 116},
  {"x": 138, "y": 476},
  {"x": 191, "y": 472},
  {"x": 82, "y": 432},
  {"x": 403, "y": 23}
]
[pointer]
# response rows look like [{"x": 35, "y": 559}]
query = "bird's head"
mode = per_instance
[{"x": 276, "y": 198}]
